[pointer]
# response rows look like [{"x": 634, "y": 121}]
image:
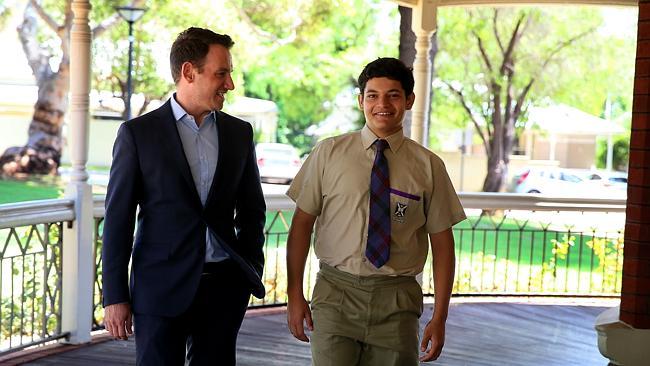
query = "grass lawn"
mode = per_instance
[
  {"x": 12, "y": 190},
  {"x": 529, "y": 244},
  {"x": 36, "y": 188},
  {"x": 506, "y": 256},
  {"x": 526, "y": 245}
]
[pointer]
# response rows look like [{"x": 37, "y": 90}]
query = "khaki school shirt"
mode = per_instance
[{"x": 334, "y": 185}]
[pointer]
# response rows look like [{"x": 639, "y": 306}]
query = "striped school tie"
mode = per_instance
[{"x": 378, "y": 247}]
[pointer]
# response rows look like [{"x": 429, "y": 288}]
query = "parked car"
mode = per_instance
[
  {"x": 548, "y": 180},
  {"x": 277, "y": 163},
  {"x": 616, "y": 180}
]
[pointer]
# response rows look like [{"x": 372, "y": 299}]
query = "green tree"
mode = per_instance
[
  {"x": 45, "y": 36},
  {"x": 5, "y": 13},
  {"x": 306, "y": 53},
  {"x": 495, "y": 62},
  {"x": 620, "y": 153},
  {"x": 110, "y": 55},
  {"x": 297, "y": 53}
]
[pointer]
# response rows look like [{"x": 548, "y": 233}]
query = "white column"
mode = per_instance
[
  {"x": 423, "y": 24},
  {"x": 552, "y": 146},
  {"x": 610, "y": 152},
  {"x": 78, "y": 257},
  {"x": 610, "y": 144}
]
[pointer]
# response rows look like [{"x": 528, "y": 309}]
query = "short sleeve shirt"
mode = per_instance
[{"x": 334, "y": 185}]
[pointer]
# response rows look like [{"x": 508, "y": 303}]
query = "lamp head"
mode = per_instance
[{"x": 129, "y": 13}]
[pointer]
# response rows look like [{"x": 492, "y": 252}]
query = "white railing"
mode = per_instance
[
  {"x": 35, "y": 212},
  {"x": 537, "y": 202}
]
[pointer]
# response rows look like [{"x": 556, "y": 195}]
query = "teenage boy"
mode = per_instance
[{"x": 377, "y": 198}]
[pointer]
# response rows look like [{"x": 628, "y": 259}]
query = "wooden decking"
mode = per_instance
[{"x": 478, "y": 333}]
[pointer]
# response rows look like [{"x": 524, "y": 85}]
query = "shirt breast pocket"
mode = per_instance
[{"x": 406, "y": 207}]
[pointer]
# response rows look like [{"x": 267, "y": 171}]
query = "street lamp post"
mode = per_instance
[{"x": 131, "y": 15}]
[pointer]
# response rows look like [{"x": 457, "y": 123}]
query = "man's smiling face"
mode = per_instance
[{"x": 383, "y": 103}]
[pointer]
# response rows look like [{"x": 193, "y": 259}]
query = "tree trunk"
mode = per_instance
[
  {"x": 406, "y": 36},
  {"x": 407, "y": 55},
  {"x": 496, "y": 174},
  {"x": 501, "y": 148},
  {"x": 42, "y": 152}
]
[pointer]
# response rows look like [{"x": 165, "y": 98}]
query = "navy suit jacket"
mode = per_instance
[{"x": 150, "y": 170}]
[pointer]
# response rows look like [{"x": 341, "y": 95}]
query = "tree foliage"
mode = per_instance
[
  {"x": 620, "y": 153},
  {"x": 297, "y": 53},
  {"x": 307, "y": 52},
  {"x": 110, "y": 62},
  {"x": 495, "y": 62},
  {"x": 45, "y": 37},
  {"x": 5, "y": 13}
]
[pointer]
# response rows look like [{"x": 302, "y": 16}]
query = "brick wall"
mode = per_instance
[{"x": 635, "y": 294}]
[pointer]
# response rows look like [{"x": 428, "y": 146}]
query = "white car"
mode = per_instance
[
  {"x": 611, "y": 184},
  {"x": 277, "y": 163},
  {"x": 551, "y": 181},
  {"x": 617, "y": 180}
]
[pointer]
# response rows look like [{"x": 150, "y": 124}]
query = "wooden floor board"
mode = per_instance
[{"x": 478, "y": 334}]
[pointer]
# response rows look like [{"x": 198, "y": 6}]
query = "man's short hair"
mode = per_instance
[
  {"x": 192, "y": 45},
  {"x": 387, "y": 67}
]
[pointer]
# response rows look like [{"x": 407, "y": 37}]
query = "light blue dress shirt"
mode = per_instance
[{"x": 201, "y": 147}]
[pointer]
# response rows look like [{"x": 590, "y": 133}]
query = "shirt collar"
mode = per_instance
[
  {"x": 394, "y": 141},
  {"x": 180, "y": 113}
]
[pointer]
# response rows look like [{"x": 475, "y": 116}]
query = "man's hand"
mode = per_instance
[
  {"x": 434, "y": 338},
  {"x": 298, "y": 312},
  {"x": 117, "y": 320}
]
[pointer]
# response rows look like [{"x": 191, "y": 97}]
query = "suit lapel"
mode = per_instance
[{"x": 172, "y": 142}]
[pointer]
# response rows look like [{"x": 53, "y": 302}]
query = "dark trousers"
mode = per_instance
[{"x": 206, "y": 334}]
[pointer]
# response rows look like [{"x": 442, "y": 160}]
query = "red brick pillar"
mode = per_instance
[{"x": 635, "y": 294}]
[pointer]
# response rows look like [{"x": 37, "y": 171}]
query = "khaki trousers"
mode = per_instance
[{"x": 365, "y": 320}]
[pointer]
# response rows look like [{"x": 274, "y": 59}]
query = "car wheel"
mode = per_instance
[{"x": 534, "y": 191}]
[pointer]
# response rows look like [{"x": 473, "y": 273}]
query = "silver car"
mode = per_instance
[
  {"x": 547, "y": 180},
  {"x": 277, "y": 163}
]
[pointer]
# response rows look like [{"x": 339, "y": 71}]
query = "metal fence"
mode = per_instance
[
  {"x": 31, "y": 240},
  {"x": 510, "y": 245}
]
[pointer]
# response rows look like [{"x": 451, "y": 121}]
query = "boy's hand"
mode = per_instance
[
  {"x": 434, "y": 339},
  {"x": 298, "y": 313}
]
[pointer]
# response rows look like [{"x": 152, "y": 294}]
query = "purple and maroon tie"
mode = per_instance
[{"x": 378, "y": 247}]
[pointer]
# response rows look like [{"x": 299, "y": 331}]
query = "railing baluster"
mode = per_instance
[
  {"x": 11, "y": 311},
  {"x": 518, "y": 264},
  {"x": 566, "y": 274},
  {"x": 458, "y": 262},
  {"x": 507, "y": 263},
  {"x": 33, "y": 295},
  {"x": 22, "y": 296},
  {"x": 471, "y": 259},
  {"x": 581, "y": 248}
]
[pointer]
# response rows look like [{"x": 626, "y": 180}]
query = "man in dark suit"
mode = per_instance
[{"x": 197, "y": 253}]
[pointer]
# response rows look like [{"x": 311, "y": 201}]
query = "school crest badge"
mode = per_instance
[{"x": 400, "y": 211}]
